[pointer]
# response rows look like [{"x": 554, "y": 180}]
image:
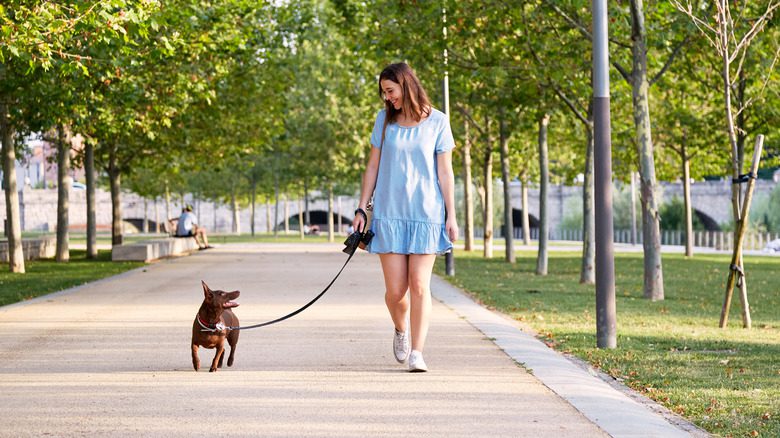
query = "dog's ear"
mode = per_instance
[{"x": 206, "y": 291}]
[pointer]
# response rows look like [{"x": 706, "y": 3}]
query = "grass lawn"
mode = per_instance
[
  {"x": 47, "y": 276},
  {"x": 726, "y": 381}
]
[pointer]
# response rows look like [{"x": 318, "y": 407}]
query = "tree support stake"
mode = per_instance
[{"x": 736, "y": 271}]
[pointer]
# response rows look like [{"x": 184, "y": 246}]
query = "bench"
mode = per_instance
[
  {"x": 44, "y": 247},
  {"x": 153, "y": 249}
]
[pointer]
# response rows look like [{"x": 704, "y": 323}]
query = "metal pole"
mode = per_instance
[
  {"x": 606, "y": 321},
  {"x": 449, "y": 258}
]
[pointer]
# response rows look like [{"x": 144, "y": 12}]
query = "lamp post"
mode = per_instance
[
  {"x": 606, "y": 321},
  {"x": 449, "y": 258}
]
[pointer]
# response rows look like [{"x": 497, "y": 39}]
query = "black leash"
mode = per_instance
[{"x": 351, "y": 243}]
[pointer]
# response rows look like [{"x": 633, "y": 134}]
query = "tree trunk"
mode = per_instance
[
  {"x": 236, "y": 226},
  {"x": 736, "y": 157},
  {"x": 13, "y": 226},
  {"x": 339, "y": 225},
  {"x": 741, "y": 122},
  {"x": 254, "y": 199},
  {"x": 544, "y": 181},
  {"x": 214, "y": 215},
  {"x": 145, "y": 223},
  {"x": 300, "y": 218},
  {"x": 214, "y": 209},
  {"x": 116, "y": 199},
  {"x": 468, "y": 191},
  {"x": 306, "y": 201},
  {"x": 156, "y": 217},
  {"x": 268, "y": 219},
  {"x": 524, "y": 207},
  {"x": 634, "y": 238},
  {"x": 651, "y": 233},
  {"x": 487, "y": 174},
  {"x": 686, "y": 167},
  {"x": 168, "y": 216},
  {"x": 89, "y": 169},
  {"x": 331, "y": 237},
  {"x": 62, "y": 252},
  {"x": 588, "y": 269},
  {"x": 276, "y": 207},
  {"x": 286, "y": 215},
  {"x": 505, "y": 172}
]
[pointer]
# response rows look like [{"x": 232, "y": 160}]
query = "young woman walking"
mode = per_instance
[{"x": 409, "y": 174}]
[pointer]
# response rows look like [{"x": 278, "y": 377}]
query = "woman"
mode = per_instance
[{"x": 409, "y": 174}]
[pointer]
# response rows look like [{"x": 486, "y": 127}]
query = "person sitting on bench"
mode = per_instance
[{"x": 187, "y": 226}]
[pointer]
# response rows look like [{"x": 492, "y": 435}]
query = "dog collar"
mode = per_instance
[{"x": 216, "y": 327}]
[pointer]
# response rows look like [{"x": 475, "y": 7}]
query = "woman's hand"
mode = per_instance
[
  {"x": 359, "y": 223},
  {"x": 452, "y": 229}
]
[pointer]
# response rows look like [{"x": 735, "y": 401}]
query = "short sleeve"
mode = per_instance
[
  {"x": 444, "y": 141},
  {"x": 376, "y": 133}
]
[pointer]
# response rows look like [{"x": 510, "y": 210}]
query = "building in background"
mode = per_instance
[{"x": 36, "y": 167}]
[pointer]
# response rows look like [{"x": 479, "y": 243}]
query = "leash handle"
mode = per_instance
[{"x": 306, "y": 306}]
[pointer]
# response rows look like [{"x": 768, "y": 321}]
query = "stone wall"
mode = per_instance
[
  {"x": 38, "y": 210},
  {"x": 39, "y": 207}
]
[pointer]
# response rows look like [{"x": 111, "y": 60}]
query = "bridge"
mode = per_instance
[{"x": 711, "y": 201}]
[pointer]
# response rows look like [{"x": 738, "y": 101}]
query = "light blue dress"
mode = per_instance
[{"x": 409, "y": 211}]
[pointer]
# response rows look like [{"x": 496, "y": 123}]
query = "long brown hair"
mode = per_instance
[{"x": 415, "y": 100}]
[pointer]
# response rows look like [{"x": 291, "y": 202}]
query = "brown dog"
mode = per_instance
[{"x": 209, "y": 329}]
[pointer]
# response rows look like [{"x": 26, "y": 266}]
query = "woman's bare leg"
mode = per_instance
[
  {"x": 395, "y": 269},
  {"x": 420, "y": 269}
]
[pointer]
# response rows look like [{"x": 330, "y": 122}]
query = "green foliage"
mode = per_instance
[
  {"x": 765, "y": 212},
  {"x": 572, "y": 214},
  {"x": 216, "y": 98},
  {"x": 479, "y": 222},
  {"x": 673, "y": 217},
  {"x": 621, "y": 208}
]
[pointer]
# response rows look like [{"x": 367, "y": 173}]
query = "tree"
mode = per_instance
[
  {"x": 685, "y": 110},
  {"x": 640, "y": 81},
  {"x": 571, "y": 85},
  {"x": 731, "y": 36},
  {"x": 37, "y": 45}
]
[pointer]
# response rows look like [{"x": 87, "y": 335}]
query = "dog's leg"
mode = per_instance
[
  {"x": 195, "y": 358},
  {"x": 217, "y": 362},
  {"x": 221, "y": 357},
  {"x": 232, "y": 341}
]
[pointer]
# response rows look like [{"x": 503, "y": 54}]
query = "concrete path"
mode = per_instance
[{"x": 112, "y": 359}]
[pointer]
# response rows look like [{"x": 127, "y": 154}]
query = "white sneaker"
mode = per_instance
[
  {"x": 416, "y": 363},
  {"x": 401, "y": 346}
]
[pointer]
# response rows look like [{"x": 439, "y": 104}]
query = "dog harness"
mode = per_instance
[{"x": 206, "y": 327}]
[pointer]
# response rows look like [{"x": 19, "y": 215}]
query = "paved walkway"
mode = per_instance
[{"x": 112, "y": 358}]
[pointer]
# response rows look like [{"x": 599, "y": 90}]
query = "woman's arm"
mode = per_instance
[
  {"x": 447, "y": 185},
  {"x": 367, "y": 188}
]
